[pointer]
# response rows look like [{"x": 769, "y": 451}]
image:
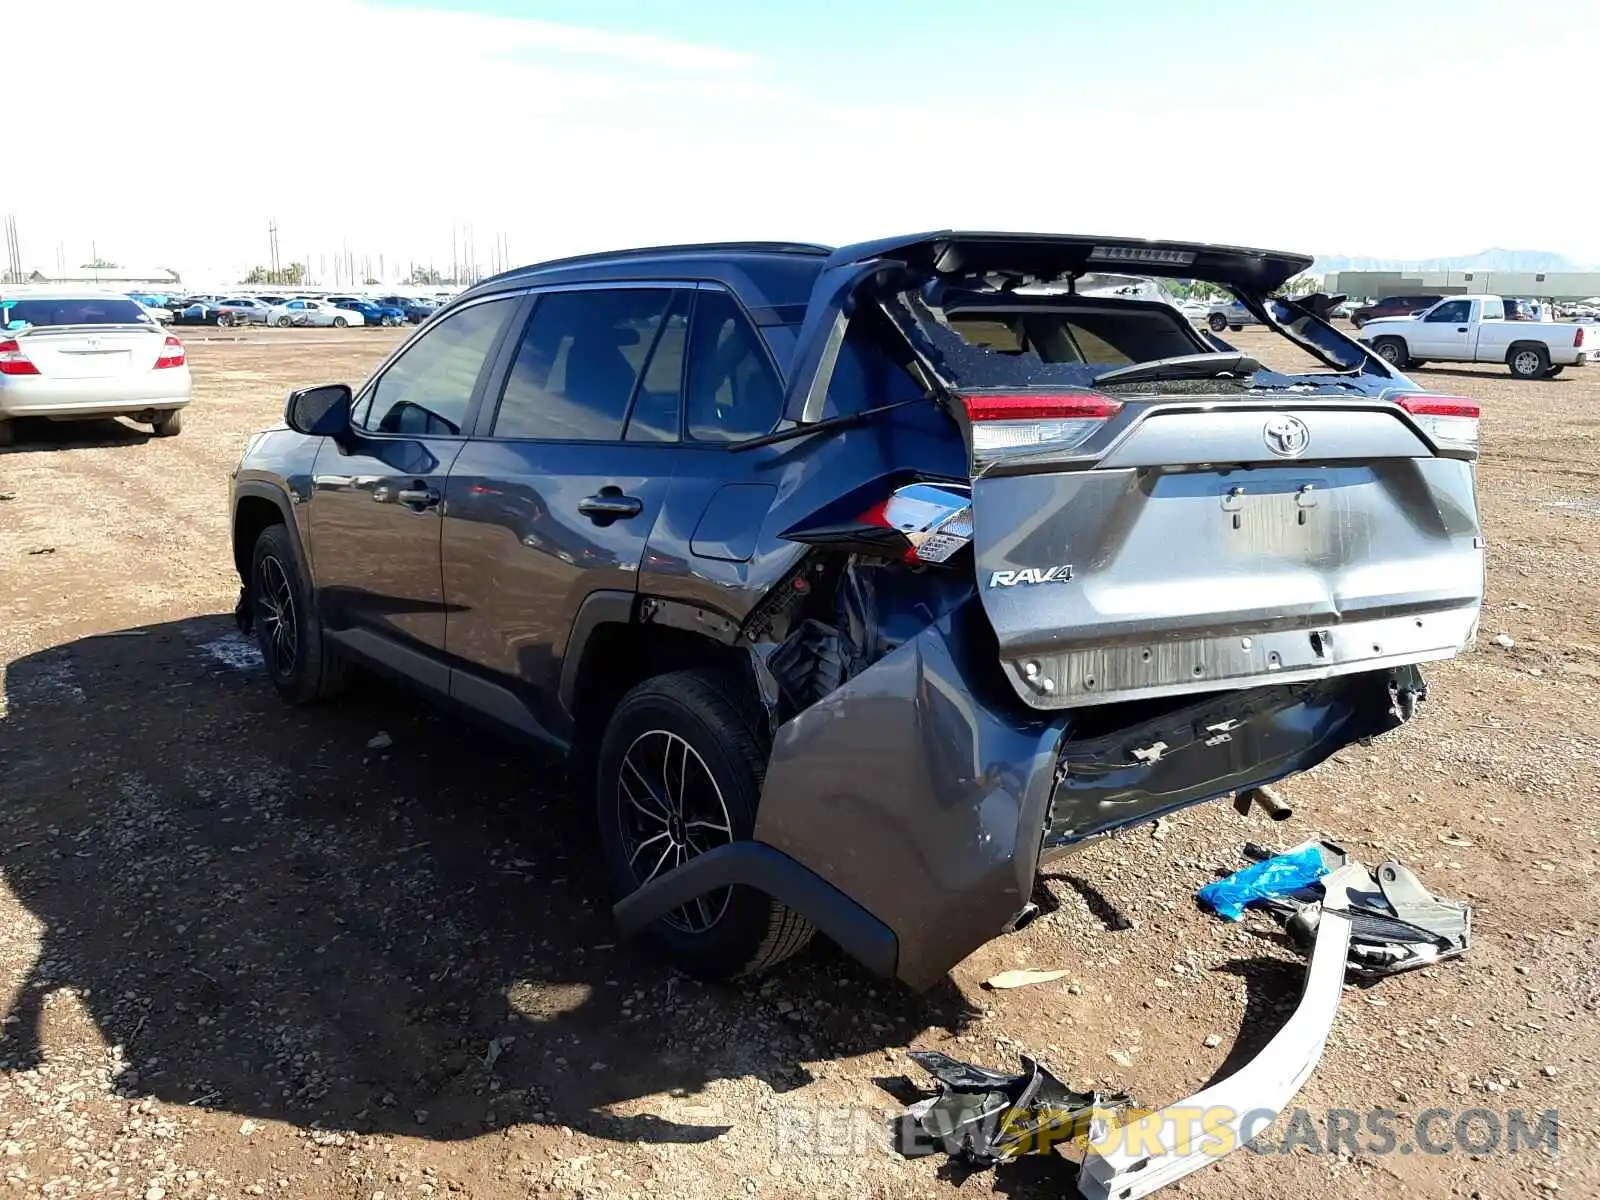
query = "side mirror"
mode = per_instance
[{"x": 322, "y": 411}]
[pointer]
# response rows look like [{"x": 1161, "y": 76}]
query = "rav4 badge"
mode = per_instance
[{"x": 1031, "y": 575}]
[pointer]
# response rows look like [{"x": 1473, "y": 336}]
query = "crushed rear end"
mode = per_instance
[{"x": 1165, "y": 574}]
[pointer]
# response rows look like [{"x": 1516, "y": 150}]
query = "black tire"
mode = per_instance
[
  {"x": 1553, "y": 372},
  {"x": 168, "y": 424},
  {"x": 1528, "y": 362},
  {"x": 731, "y": 932},
  {"x": 1393, "y": 351},
  {"x": 1218, "y": 322},
  {"x": 311, "y": 671},
  {"x": 8, "y": 433},
  {"x": 1235, "y": 328}
]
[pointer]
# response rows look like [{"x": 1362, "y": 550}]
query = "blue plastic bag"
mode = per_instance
[{"x": 1277, "y": 876}]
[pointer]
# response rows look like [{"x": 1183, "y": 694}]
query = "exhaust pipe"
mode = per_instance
[{"x": 1264, "y": 798}]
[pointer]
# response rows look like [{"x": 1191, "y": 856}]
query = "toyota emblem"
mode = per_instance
[{"x": 1286, "y": 436}]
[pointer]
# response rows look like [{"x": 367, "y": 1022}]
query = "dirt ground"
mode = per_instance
[{"x": 243, "y": 953}]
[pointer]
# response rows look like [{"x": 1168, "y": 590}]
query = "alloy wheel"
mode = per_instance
[
  {"x": 276, "y": 613},
  {"x": 1526, "y": 362},
  {"x": 670, "y": 809}
]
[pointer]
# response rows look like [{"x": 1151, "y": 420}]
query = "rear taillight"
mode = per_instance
[
  {"x": 13, "y": 361},
  {"x": 1017, "y": 425},
  {"x": 934, "y": 518},
  {"x": 1577, "y": 337},
  {"x": 1451, "y": 421},
  {"x": 171, "y": 353}
]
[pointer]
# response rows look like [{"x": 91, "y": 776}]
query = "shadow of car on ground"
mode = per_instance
[{"x": 272, "y": 919}]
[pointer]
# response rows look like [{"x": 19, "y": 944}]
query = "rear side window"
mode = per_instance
[
  {"x": 580, "y": 357},
  {"x": 1494, "y": 310},
  {"x": 427, "y": 390},
  {"x": 659, "y": 397},
  {"x": 733, "y": 391},
  {"x": 88, "y": 310}
]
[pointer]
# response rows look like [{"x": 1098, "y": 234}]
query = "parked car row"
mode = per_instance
[{"x": 285, "y": 311}]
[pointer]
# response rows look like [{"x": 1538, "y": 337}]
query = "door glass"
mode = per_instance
[
  {"x": 428, "y": 388},
  {"x": 581, "y": 354},
  {"x": 733, "y": 391},
  {"x": 1493, "y": 310},
  {"x": 655, "y": 405},
  {"x": 1457, "y": 311}
]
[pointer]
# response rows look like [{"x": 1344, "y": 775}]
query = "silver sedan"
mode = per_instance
[{"x": 73, "y": 355}]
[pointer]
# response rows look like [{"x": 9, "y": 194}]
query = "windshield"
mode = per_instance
[{"x": 73, "y": 310}]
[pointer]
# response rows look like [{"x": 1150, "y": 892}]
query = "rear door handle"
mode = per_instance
[
  {"x": 415, "y": 497},
  {"x": 608, "y": 505}
]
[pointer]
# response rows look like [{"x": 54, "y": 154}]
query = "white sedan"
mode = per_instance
[{"x": 313, "y": 312}]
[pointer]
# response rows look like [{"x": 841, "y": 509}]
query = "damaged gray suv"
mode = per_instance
[{"x": 858, "y": 582}]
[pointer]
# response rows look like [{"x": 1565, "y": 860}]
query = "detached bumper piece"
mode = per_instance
[
  {"x": 1134, "y": 1160},
  {"x": 985, "y": 1117}
]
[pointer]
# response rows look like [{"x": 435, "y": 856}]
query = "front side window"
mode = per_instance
[
  {"x": 1455, "y": 310},
  {"x": 577, "y": 365},
  {"x": 426, "y": 391},
  {"x": 733, "y": 392}
]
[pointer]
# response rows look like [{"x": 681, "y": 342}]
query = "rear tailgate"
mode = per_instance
[{"x": 1154, "y": 539}]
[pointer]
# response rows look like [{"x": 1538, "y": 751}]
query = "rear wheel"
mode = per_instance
[
  {"x": 1218, "y": 322},
  {"x": 8, "y": 435},
  {"x": 1529, "y": 362},
  {"x": 679, "y": 773},
  {"x": 1392, "y": 351},
  {"x": 169, "y": 423},
  {"x": 302, "y": 667},
  {"x": 340, "y": 322}
]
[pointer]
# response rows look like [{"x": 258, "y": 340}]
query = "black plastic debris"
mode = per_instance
[
  {"x": 1395, "y": 925},
  {"x": 985, "y": 1117}
]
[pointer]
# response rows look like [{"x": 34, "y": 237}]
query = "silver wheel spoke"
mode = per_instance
[
  {"x": 659, "y": 812},
  {"x": 639, "y": 849}
]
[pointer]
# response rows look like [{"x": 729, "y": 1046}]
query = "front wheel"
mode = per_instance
[
  {"x": 1529, "y": 362},
  {"x": 284, "y": 322},
  {"x": 301, "y": 666},
  {"x": 1392, "y": 351},
  {"x": 1218, "y": 322},
  {"x": 680, "y": 773},
  {"x": 1553, "y": 372},
  {"x": 1235, "y": 328}
]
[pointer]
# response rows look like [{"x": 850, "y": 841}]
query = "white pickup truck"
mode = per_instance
[{"x": 1476, "y": 329}]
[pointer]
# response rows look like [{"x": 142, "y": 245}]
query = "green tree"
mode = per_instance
[{"x": 293, "y": 274}]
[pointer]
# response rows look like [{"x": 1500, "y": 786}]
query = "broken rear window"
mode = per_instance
[{"x": 1011, "y": 340}]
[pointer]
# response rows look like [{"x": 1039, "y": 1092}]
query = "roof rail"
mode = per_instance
[{"x": 804, "y": 249}]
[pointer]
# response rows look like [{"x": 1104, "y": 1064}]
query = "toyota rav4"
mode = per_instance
[{"x": 858, "y": 582}]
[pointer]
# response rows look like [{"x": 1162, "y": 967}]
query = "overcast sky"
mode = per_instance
[{"x": 172, "y": 134}]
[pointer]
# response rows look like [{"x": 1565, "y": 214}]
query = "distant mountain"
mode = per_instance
[{"x": 1485, "y": 260}]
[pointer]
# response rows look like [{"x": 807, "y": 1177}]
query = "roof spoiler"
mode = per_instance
[{"x": 1052, "y": 255}]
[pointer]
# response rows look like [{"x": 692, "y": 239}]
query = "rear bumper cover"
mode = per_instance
[
  {"x": 45, "y": 396},
  {"x": 905, "y": 814}
]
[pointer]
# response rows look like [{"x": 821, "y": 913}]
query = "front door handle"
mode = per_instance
[
  {"x": 1461, "y": 328},
  {"x": 609, "y": 505}
]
